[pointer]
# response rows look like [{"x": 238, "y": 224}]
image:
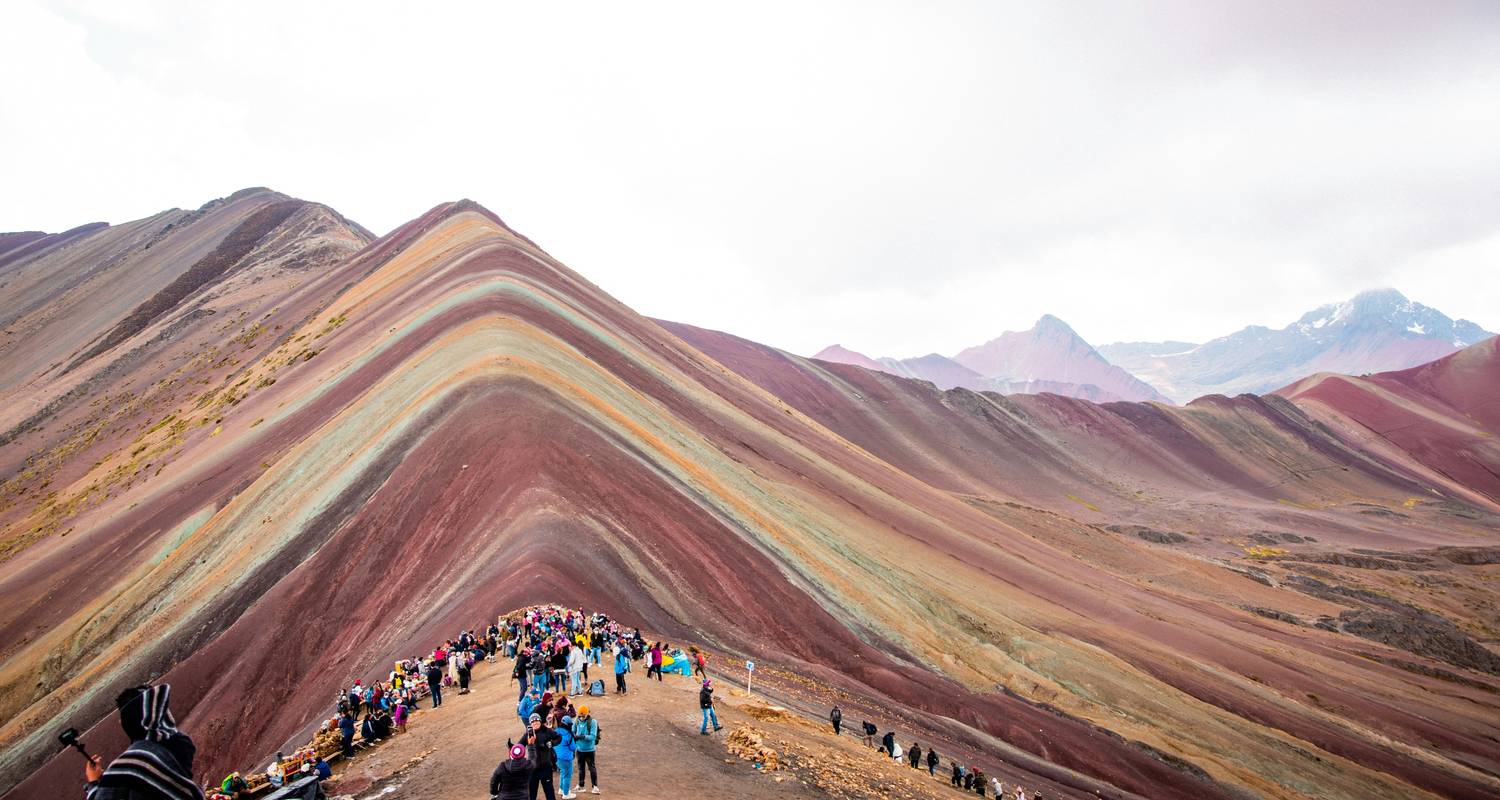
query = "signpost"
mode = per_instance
[{"x": 749, "y": 675}]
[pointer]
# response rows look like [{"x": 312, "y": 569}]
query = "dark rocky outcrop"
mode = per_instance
[{"x": 1148, "y": 534}]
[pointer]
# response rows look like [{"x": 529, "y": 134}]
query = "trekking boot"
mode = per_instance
[{"x": 594, "y": 790}]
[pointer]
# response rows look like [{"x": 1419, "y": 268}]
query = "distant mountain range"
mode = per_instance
[
  {"x": 1050, "y": 357},
  {"x": 1376, "y": 331}
]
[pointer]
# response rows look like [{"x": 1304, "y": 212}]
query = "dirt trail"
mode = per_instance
[{"x": 650, "y": 748}]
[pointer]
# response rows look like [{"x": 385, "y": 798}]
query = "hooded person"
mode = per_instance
[
  {"x": 563, "y": 752},
  {"x": 158, "y": 764},
  {"x": 888, "y": 743},
  {"x": 512, "y": 777}
]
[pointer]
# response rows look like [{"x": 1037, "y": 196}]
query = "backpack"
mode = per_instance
[{"x": 596, "y": 689}]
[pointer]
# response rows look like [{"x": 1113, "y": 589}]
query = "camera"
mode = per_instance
[{"x": 69, "y": 738}]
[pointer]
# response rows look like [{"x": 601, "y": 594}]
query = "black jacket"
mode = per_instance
[
  {"x": 434, "y": 675},
  {"x": 509, "y": 781},
  {"x": 540, "y": 746},
  {"x": 705, "y": 697}
]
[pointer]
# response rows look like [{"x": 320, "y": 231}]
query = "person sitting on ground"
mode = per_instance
[
  {"x": 512, "y": 776},
  {"x": 233, "y": 784},
  {"x": 382, "y": 723},
  {"x": 158, "y": 764}
]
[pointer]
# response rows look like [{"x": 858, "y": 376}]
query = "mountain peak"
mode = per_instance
[{"x": 1049, "y": 323}]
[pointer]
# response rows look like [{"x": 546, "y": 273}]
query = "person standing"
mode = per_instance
[
  {"x": 888, "y": 743},
  {"x": 159, "y": 761},
  {"x": 622, "y": 666},
  {"x": 654, "y": 665},
  {"x": 836, "y": 716},
  {"x": 435, "y": 682},
  {"x": 520, "y": 674},
  {"x": 585, "y": 744},
  {"x": 346, "y": 729},
  {"x": 575, "y": 670},
  {"x": 914, "y": 755},
  {"x": 563, "y": 750},
  {"x": 540, "y": 741},
  {"x": 464, "y": 661},
  {"x": 513, "y": 775},
  {"x": 706, "y": 705},
  {"x": 399, "y": 714}
]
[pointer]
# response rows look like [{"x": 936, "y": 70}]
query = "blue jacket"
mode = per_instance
[
  {"x": 622, "y": 663},
  {"x": 528, "y": 705},
  {"x": 563, "y": 750},
  {"x": 585, "y": 734}
]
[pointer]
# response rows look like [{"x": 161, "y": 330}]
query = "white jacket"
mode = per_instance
[{"x": 575, "y": 659}]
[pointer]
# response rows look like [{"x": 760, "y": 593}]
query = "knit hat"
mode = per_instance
[
  {"x": 518, "y": 752},
  {"x": 535, "y": 718},
  {"x": 583, "y": 711}
]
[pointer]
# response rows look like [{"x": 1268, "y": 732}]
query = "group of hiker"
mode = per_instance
[
  {"x": 553, "y": 648},
  {"x": 961, "y": 777}
]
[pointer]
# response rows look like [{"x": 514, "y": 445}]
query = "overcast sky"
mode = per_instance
[{"x": 900, "y": 178}]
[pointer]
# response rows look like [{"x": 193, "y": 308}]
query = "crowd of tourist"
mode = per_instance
[{"x": 552, "y": 648}]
